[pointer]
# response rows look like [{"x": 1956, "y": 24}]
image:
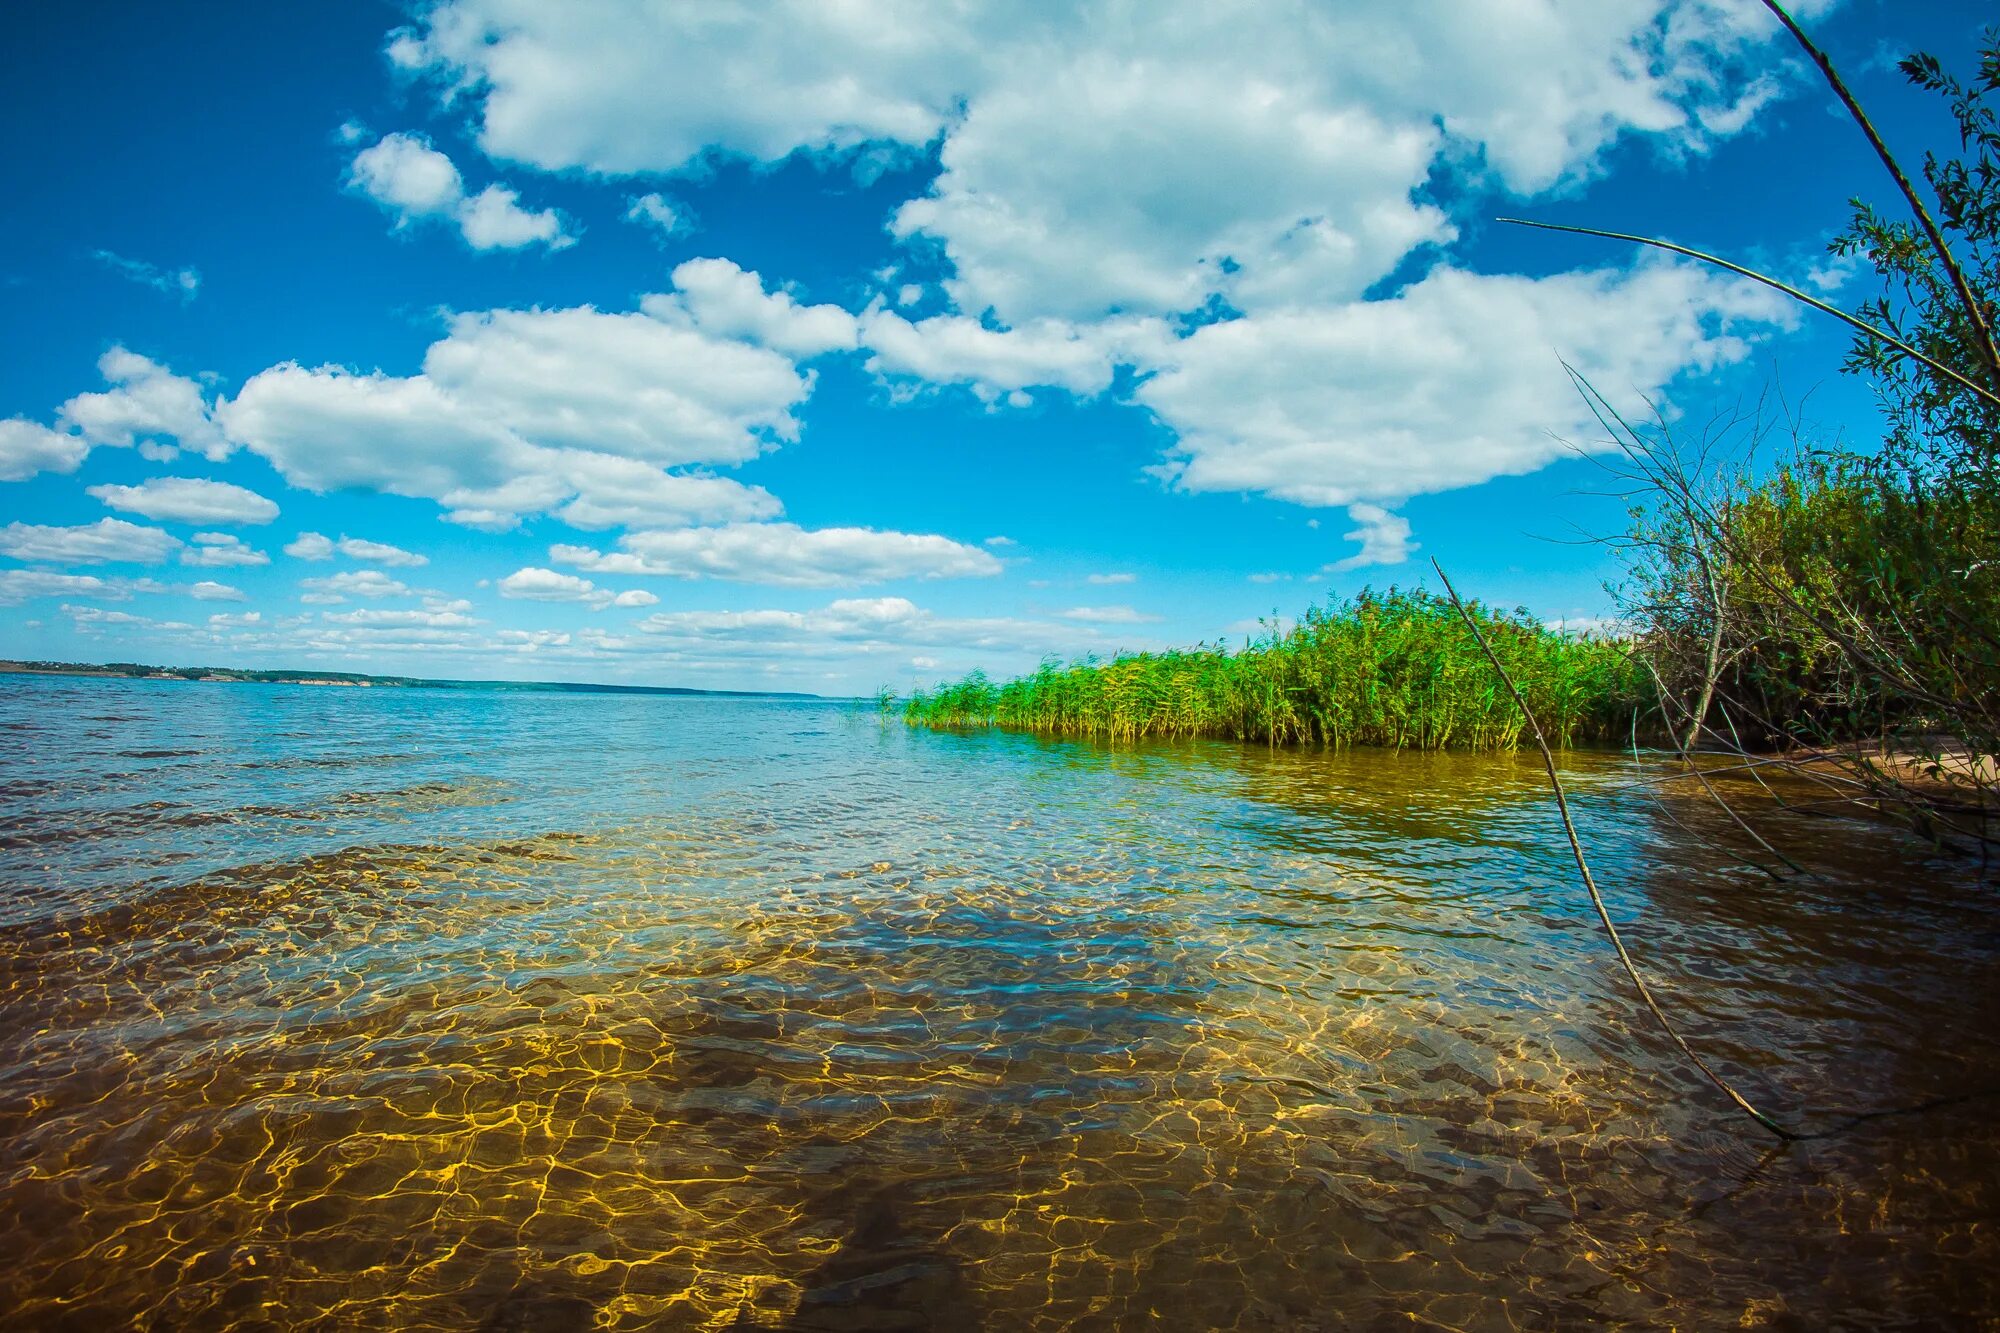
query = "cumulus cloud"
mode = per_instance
[
  {"x": 1108, "y": 615},
  {"x": 533, "y": 640},
  {"x": 1091, "y": 164},
  {"x": 373, "y": 553},
  {"x": 208, "y": 591},
  {"x": 379, "y": 618},
  {"x": 414, "y": 182},
  {"x": 1222, "y": 217},
  {"x": 621, "y": 384},
  {"x": 891, "y": 626},
  {"x": 218, "y": 550},
  {"x": 146, "y": 403},
  {"x": 1457, "y": 379},
  {"x": 725, "y": 301},
  {"x": 28, "y": 447},
  {"x": 188, "y": 500},
  {"x": 90, "y": 619},
  {"x": 520, "y": 412},
  {"x": 1210, "y": 198},
  {"x": 337, "y": 588},
  {"x": 785, "y": 554},
  {"x": 493, "y": 219},
  {"x": 310, "y": 546},
  {"x": 1384, "y": 538},
  {"x": 18, "y": 585},
  {"x": 957, "y": 349},
  {"x": 107, "y": 541},
  {"x": 659, "y": 213},
  {"x": 616, "y": 492},
  {"x": 548, "y": 585},
  {"x": 1106, "y": 580}
]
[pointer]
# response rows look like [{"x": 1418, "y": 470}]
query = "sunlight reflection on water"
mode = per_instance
[{"x": 422, "y": 1010}]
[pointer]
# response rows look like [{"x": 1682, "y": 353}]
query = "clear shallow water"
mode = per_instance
[{"x": 404, "y": 1009}]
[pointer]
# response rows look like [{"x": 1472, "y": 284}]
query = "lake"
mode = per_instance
[{"x": 415, "y": 1009}]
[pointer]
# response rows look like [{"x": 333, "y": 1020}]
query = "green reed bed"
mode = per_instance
[{"x": 1397, "y": 669}]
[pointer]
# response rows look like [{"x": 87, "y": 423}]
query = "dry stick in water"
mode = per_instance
[
  {"x": 1590, "y": 881},
  {"x": 1713, "y": 794}
]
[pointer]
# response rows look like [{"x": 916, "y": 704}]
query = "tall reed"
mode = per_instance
[{"x": 1398, "y": 669}]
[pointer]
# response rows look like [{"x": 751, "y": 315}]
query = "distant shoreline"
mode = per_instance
[{"x": 359, "y": 680}]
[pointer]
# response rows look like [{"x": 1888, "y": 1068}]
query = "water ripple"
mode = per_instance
[{"x": 638, "y": 1013}]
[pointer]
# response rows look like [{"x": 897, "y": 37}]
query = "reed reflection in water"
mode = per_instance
[{"x": 421, "y": 1010}]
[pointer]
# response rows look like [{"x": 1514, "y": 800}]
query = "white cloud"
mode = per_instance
[
  {"x": 1147, "y": 182},
  {"x": 207, "y": 591},
  {"x": 1384, "y": 538},
  {"x": 547, "y": 585},
  {"x": 1107, "y": 580},
  {"x": 327, "y": 429},
  {"x": 1101, "y": 178},
  {"x": 28, "y": 447},
  {"x": 18, "y": 585},
  {"x": 379, "y": 618},
  {"x": 188, "y": 500},
  {"x": 310, "y": 546},
  {"x": 1456, "y": 380},
  {"x": 1108, "y": 615},
  {"x": 726, "y": 302},
  {"x": 1094, "y": 162},
  {"x": 621, "y": 492},
  {"x": 107, "y": 541},
  {"x": 891, "y": 626},
  {"x": 218, "y": 550},
  {"x": 533, "y": 640},
  {"x": 785, "y": 554},
  {"x": 336, "y": 588},
  {"x": 181, "y": 282},
  {"x": 626, "y": 88},
  {"x": 660, "y": 213},
  {"x": 146, "y": 402},
  {"x": 88, "y": 618},
  {"x": 493, "y": 219},
  {"x": 956, "y": 349},
  {"x": 415, "y": 182},
  {"x": 621, "y": 384},
  {"x": 522, "y": 412},
  {"x": 376, "y": 553},
  {"x": 403, "y": 173}
]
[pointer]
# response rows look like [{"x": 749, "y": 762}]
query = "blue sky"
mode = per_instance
[{"x": 813, "y": 347}]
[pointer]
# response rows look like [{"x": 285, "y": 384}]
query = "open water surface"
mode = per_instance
[{"x": 409, "y": 1009}]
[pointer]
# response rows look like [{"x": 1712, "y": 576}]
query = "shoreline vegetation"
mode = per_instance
[
  {"x": 1398, "y": 669},
  {"x": 1821, "y": 609}
]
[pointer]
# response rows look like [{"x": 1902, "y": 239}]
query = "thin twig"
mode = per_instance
[
  {"x": 1789, "y": 290},
  {"x": 1714, "y": 795},
  {"x": 1973, "y": 310},
  {"x": 1590, "y": 882}
]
